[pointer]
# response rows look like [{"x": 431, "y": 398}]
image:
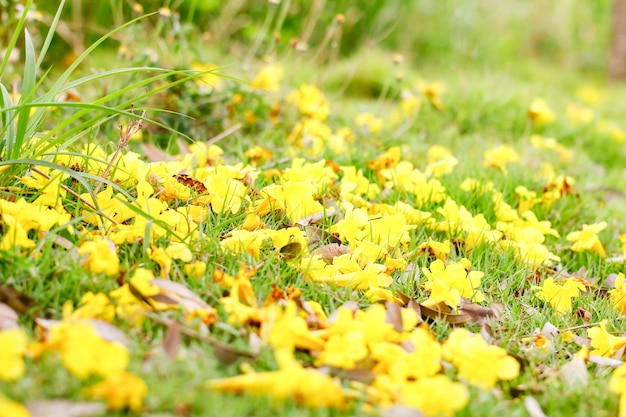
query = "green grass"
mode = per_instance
[{"x": 486, "y": 99}]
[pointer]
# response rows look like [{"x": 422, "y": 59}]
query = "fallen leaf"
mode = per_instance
[
  {"x": 8, "y": 317},
  {"x": 360, "y": 375},
  {"x": 497, "y": 308},
  {"x": 550, "y": 331},
  {"x": 180, "y": 293},
  {"x": 18, "y": 301},
  {"x": 477, "y": 314},
  {"x": 109, "y": 332},
  {"x": 602, "y": 361},
  {"x": 401, "y": 411},
  {"x": 330, "y": 251},
  {"x": 411, "y": 273},
  {"x": 441, "y": 313},
  {"x": 533, "y": 407},
  {"x": 105, "y": 330},
  {"x": 172, "y": 338},
  {"x": 291, "y": 250},
  {"x": 394, "y": 316},
  {"x": 317, "y": 217},
  {"x": 255, "y": 343},
  {"x": 583, "y": 314},
  {"x": 574, "y": 373},
  {"x": 65, "y": 408},
  {"x": 154, "y": 154},
  {"x": 487, "y": 333}
]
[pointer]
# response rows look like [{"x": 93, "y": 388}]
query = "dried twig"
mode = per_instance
[{"x": 126, "y": 132}]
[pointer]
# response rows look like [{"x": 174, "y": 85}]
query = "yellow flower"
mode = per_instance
[
  {"x": 587, "y": 239},
  {"x": 93, "y": 306},
  {"x": 209, "y": 79},
  {"x": 500, "y": 156},
  {"x": 268, "y": 78},
  {"x": 10, "y": 408},
  {"x": 369, "y": 123},
  {"x": 604, "y": 343},
  {"x": 589, "y": 95},
  {"x": 122, "y": 390},
  {"x": 310, "y": 102},
  {"x": 578, "y": 115},
  {"x": 12, "y": 350},
  {"x": 435, "y": 396},
  {"x": 432, "y": 90},
  {"x": 479, "y": 363},
  {"x": 83, "y": 351},
  {"x": 101, "y": 256},
  {"x": 305, "y": 386},
  {"x": 618, "y": 294},
  {"x": 617, "y": 384},
  {"x": 343, "y": 351},
  {"x": 290, "y": 330},
  {"x": 559, "y": 295},
  {"x": 15, "y": 235},
  {"x": 449, "y": 283},
  {"x": 540, "y": 113}
]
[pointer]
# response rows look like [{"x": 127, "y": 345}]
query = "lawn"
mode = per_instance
[{"x": 303, "y": 208}]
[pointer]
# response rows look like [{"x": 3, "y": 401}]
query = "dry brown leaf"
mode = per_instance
[
  {"x": 172, "y": 339},
  {"x": 487, "y": 333},
  {"x": 105, "y": 330},
  {"x": 8, "y": 317},
  {"x": 361, "y": 375},
  {"x": 574, "y": 373},
  {"x": 497, "y": 308},
  {"x": 180, "y": 293},
  {"x": 609, "y": 282},
  {"x": 317, "y": 217},
  {"x": 18, "y": 301},
  {"x": 442, "y": 311},
  {"x": 411, "y": 273},
  {"x": 550, "y": 331},
  {"x": 394, "y": 316},
  {"x": 602, "y": 361},
  {"x": 330, "y": 251},
  {"x": 404, "y": 298},
  {"x": 154, "y": 154},
  {"x": 109, "y": 332},
  {"x": 478, "y": 314},
  {"x": 291, "y": 250},
  {"x": 401, "y": 411},
  {"x": 583, "y": 314},
  {"x": 255, "y": 343},
  {"x": 582, "y": 341},
  {"x": 533, "y": 407},
  {"x": 65, "y": 408},
  {"x": 183, "y": 146}
]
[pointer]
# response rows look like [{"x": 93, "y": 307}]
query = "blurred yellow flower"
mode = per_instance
[
  {"x": 122, "y": 390},
  {"x": 10, "y": 408},
  {"x": 618, "y": 294},
  {"x": 479, "y": 363},
  {"x": 500, "y": 156},
  {"x": 12, "y": 350},
  {"x": 559, "y": 295},
  {"x": 587, "y": 239},
  {"x": 604, "y": 343},
  {"x": 268, "y": 78},
  {"x": 101, "y": 256},
  {"x": 539, "y": 112}
]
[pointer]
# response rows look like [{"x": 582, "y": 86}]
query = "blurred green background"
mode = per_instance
[{"x": 571, "y": 34}]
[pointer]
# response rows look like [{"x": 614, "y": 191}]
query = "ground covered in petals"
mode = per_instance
[{"x": 452, "y": 244}]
